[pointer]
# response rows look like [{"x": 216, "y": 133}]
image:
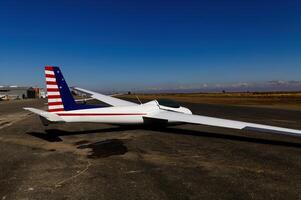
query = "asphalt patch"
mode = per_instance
[{"x": 105, "y": 148}]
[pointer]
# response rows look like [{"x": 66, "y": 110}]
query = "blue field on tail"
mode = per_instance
[{"x": 67, "y": 98}]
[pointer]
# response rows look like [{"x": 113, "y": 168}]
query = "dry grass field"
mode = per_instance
[{"x": 281, "y": 100}]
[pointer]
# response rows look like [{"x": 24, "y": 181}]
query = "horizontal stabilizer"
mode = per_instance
[{"x": 52, "y": 117}]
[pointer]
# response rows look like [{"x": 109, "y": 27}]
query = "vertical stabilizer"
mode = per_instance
[{"x": 59, "y": 96}]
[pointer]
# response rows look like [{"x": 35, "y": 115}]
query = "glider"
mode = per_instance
[{"x": 62, "y": 108}]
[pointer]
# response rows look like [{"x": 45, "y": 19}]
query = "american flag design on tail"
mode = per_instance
[
  {"x": 60, "y": 97},
  {"x": 55, "y": 103}
]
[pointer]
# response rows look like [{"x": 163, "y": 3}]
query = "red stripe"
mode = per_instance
[
  {"x": 50, "y": 68},
  {"x": 49, "y": 76},
  {"x": 98, "y": 114},
  {"x": 51, "y": 83},
  {"x": 54, "y": 96},
  {"x": 52, "y": 90},
  {"x": 55, "y": 103},
  {"x": 56, "y": 110}
]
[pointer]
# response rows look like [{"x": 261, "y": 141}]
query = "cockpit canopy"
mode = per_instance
[{"x": 168, "y": 103}]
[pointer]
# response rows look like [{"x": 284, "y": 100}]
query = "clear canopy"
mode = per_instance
[{"x": 168, "y": 103}]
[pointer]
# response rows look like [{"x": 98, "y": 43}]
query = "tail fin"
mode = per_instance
[{"x": 59, "y": 95}]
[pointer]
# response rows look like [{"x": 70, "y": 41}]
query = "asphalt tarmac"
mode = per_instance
[{"x": 95, "y": 161}]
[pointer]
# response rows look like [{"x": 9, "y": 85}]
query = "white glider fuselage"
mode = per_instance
[{"x": 118, "y": 115}]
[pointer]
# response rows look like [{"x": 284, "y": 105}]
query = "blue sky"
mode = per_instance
[{"x": 125, "y": 45}]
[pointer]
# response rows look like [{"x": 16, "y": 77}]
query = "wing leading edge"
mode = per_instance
[
  {"x": 106, "y": 99},
  {"x": 224, "y": 123}
]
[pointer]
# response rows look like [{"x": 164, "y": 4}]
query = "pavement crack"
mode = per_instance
[
  {"x": 5, "y": 124},
  {"x": 59, "y": 184}
]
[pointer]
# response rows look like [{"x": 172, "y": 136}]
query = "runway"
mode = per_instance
[{"x": 95, "y": 161}]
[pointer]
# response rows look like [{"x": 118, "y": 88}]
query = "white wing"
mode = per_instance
[
  {"x": 211, "y": 121},
  {"x": 106, "y": 99}
]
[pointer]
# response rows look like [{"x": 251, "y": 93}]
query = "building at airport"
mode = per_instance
[{"x": 16, "y": 92}]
